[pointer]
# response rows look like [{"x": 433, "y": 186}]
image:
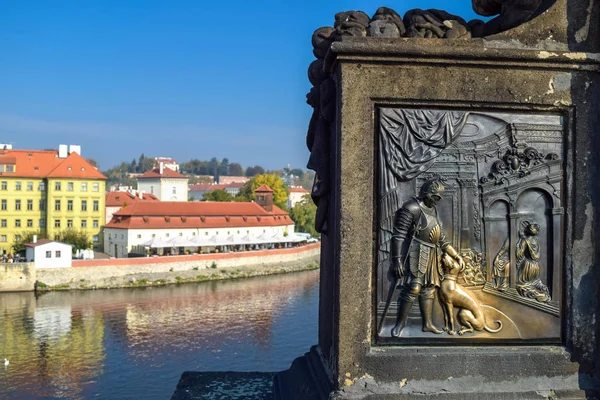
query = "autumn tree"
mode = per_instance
[
  {"x": 217, "y": 195},
  {"x": 280, "y": 190},
  {"x": 79, "y": 239},
  {"x": 25, "y": 237},
  {"x": 303, "y": 214}
]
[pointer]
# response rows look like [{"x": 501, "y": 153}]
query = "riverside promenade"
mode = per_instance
[{"x": 153, "y": 271}]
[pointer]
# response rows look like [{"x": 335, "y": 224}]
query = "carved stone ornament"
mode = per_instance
[
  {"x": 386, "y": 23},
  {"x": 471, "y": 257}
]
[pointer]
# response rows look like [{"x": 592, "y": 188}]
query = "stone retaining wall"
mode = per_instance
[
  {"x": 122, "y": 272},
  {"x": 16, "y": 277}
]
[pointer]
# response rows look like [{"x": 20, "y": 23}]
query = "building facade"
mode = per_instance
[
  {"x": 164, "y": 183},
  {"x": 45, "y": 253},
  {"x": 198, "y": 224},
  {"x": 296, "y": 195},
  {"x": 47, "y": 192},
  {"x": 167, "y": 162}
]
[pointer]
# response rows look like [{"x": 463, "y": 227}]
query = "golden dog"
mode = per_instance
[{"x": 470, "y": 315}]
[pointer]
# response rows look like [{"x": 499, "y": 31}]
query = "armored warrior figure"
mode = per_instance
[{"x": 417, "y": 243}]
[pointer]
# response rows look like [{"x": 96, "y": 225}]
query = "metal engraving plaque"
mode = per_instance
[{"x": 470, "y": 234}]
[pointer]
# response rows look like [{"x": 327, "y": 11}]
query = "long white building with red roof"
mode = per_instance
[{"x": 146, "y": 225}]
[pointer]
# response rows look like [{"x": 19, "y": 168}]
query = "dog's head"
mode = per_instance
[{"x": 448, "y": 262}]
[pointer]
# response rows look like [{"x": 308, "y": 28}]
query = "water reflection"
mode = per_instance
[{"x": 134, "y": 343}]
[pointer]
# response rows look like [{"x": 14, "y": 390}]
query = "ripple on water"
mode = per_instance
[{"x": 111, "y": 344}]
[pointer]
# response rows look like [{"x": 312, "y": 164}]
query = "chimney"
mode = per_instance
[
  {"x": 75, "y": 148},
  {"x": 161, "y": 167},
  {"x": 34, "y": 238},
  {"x": 264, "y": 197},
  {"x": 62, "y": 151}
]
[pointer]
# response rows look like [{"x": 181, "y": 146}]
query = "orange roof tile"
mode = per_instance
[
  {"x": 193, "y": 215},
  {"x": 297, "y": 189},
  {"x": 118, "y": 199},
  {"x": 263, "y": 188},
  {"x": 75, "y": 166},
  {"x": 167, "y": 173},
  {"x": 42, "y": 163}
]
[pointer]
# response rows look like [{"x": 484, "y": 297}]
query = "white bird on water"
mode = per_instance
[{"x": 6, "y": 362}]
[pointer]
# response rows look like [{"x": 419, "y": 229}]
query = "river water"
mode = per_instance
[{"x": 135, "y": 343}]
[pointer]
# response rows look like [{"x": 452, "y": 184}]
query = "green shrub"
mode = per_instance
[
  {"x": 213, "y": 265},
  {"x": 178, "y": 278}
]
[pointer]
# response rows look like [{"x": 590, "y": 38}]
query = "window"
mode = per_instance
[
  {"x": 167, "y": 235},
  {"x": 30, "y": 223},
  {"x": 154, "y": 235},
  {"x": 17, "y": 237},
  {"x": 42, "y": 205},
  {"x": 4, "y": 185},
  {"x": 48, "y": 254},
  {"x": 2, "y": 238},
  {"x": 57, "y": 254},
  {"x": 30, "y": 205},
  {"x": 18, "y": 205},
  {"x": 17, "y": 223},
  {"x": 83, "y": 205},
  {"x": 95, "y": 238},
  {"x": 10, "y": 168},
  {"x": 180, "y": 234},
  {"x": 3, "y": 223},
  {"x": 57, "y": 223},
  {"x": 69, "y": 223},
  {"x": 152, "y": 189},
  {"x": 96, "y": 205},
  {"x": 95, "y": 187},
  {"x": 18, "y": 185},
  {"x": 83, "y": 223},
  {"x": 95, "y": 223},
  {"x": 56, "y": 185},
  {"x": 4, "y": 205},
  {"x": 42, "y": 186},
  {"x": 70, "y": 186},
  {"x": 56, "y": 205},
  {"x": 42, "y": 223},
  {"x": 139, "y": 236},
  {"x": 29, "y": 186},
  {"x": 84, "y": 186},
  {"x": 69, "y": 205},
  {"x": 174, "y": 190}
]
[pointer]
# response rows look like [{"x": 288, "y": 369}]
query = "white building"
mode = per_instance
[
  {"x": 146, "y": 226},
  {"x": 297, "y": 194},
  {"x": 198, "y": 190},
  {"x": 164, "y": 183},
  {"x": 167, "y": 162},
  {"x": 47, "y": 253}
]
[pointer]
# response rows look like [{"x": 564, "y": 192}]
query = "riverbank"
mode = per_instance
[{"x": 158, "y": 271}]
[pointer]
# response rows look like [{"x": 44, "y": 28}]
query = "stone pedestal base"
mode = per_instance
[{"x": 306, "y": 379}]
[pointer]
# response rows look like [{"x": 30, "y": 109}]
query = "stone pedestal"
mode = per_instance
[{"x": 546, "y": 69}]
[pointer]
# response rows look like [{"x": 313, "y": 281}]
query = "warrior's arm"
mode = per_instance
[
  {"x": 401, "y": 232},
  {"x": 447, "y": 247}
]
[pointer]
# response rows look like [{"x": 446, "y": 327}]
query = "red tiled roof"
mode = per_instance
[
  {"x": 297, "y": 189},
  {"x": 193, "y": 215},
  {"x": 167, "y": 173},
  {"x": 263, "y": 188},
  {"x": 118, "y": 199},
  {"x": 43, "y": 164},
  {"x": 75, "y": 166},
  {"x": 39, "y": 243}
]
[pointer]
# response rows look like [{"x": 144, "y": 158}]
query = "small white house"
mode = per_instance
[{"x": 47, "y": 253}]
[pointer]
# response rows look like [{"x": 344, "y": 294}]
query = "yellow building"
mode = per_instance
[{"x": 49, "y": 191}]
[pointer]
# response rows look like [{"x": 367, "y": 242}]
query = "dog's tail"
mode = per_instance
[{"x": 487, "y": 328}]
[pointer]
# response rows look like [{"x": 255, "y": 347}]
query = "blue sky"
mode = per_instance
[{"x": 186, "y": 79}]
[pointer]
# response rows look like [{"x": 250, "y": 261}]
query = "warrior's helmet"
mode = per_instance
[{"x": 432, "y": 187}]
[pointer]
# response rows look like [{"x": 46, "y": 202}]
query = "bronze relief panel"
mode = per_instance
[{"x": 470, "y": 235}]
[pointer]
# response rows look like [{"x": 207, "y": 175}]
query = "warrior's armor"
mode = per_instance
[{"x": 417, "y": 243}]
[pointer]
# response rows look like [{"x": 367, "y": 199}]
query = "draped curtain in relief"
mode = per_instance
[{"x": 410, "y": 141}]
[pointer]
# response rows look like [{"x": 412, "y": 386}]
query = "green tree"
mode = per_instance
[
  {"x": 256, "y": 170},
  {"x": 217, "y": 195},
  {"x": 79, "y": 239},
  {"x": 224, "y": 167},
  {"x": 303, "y": 214},
  {"x": 25, "y": 237},
  {"x": 297, "y": 172},
  {"x": 236, "y": 169},
  {"x": 280, "y": 190}
]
